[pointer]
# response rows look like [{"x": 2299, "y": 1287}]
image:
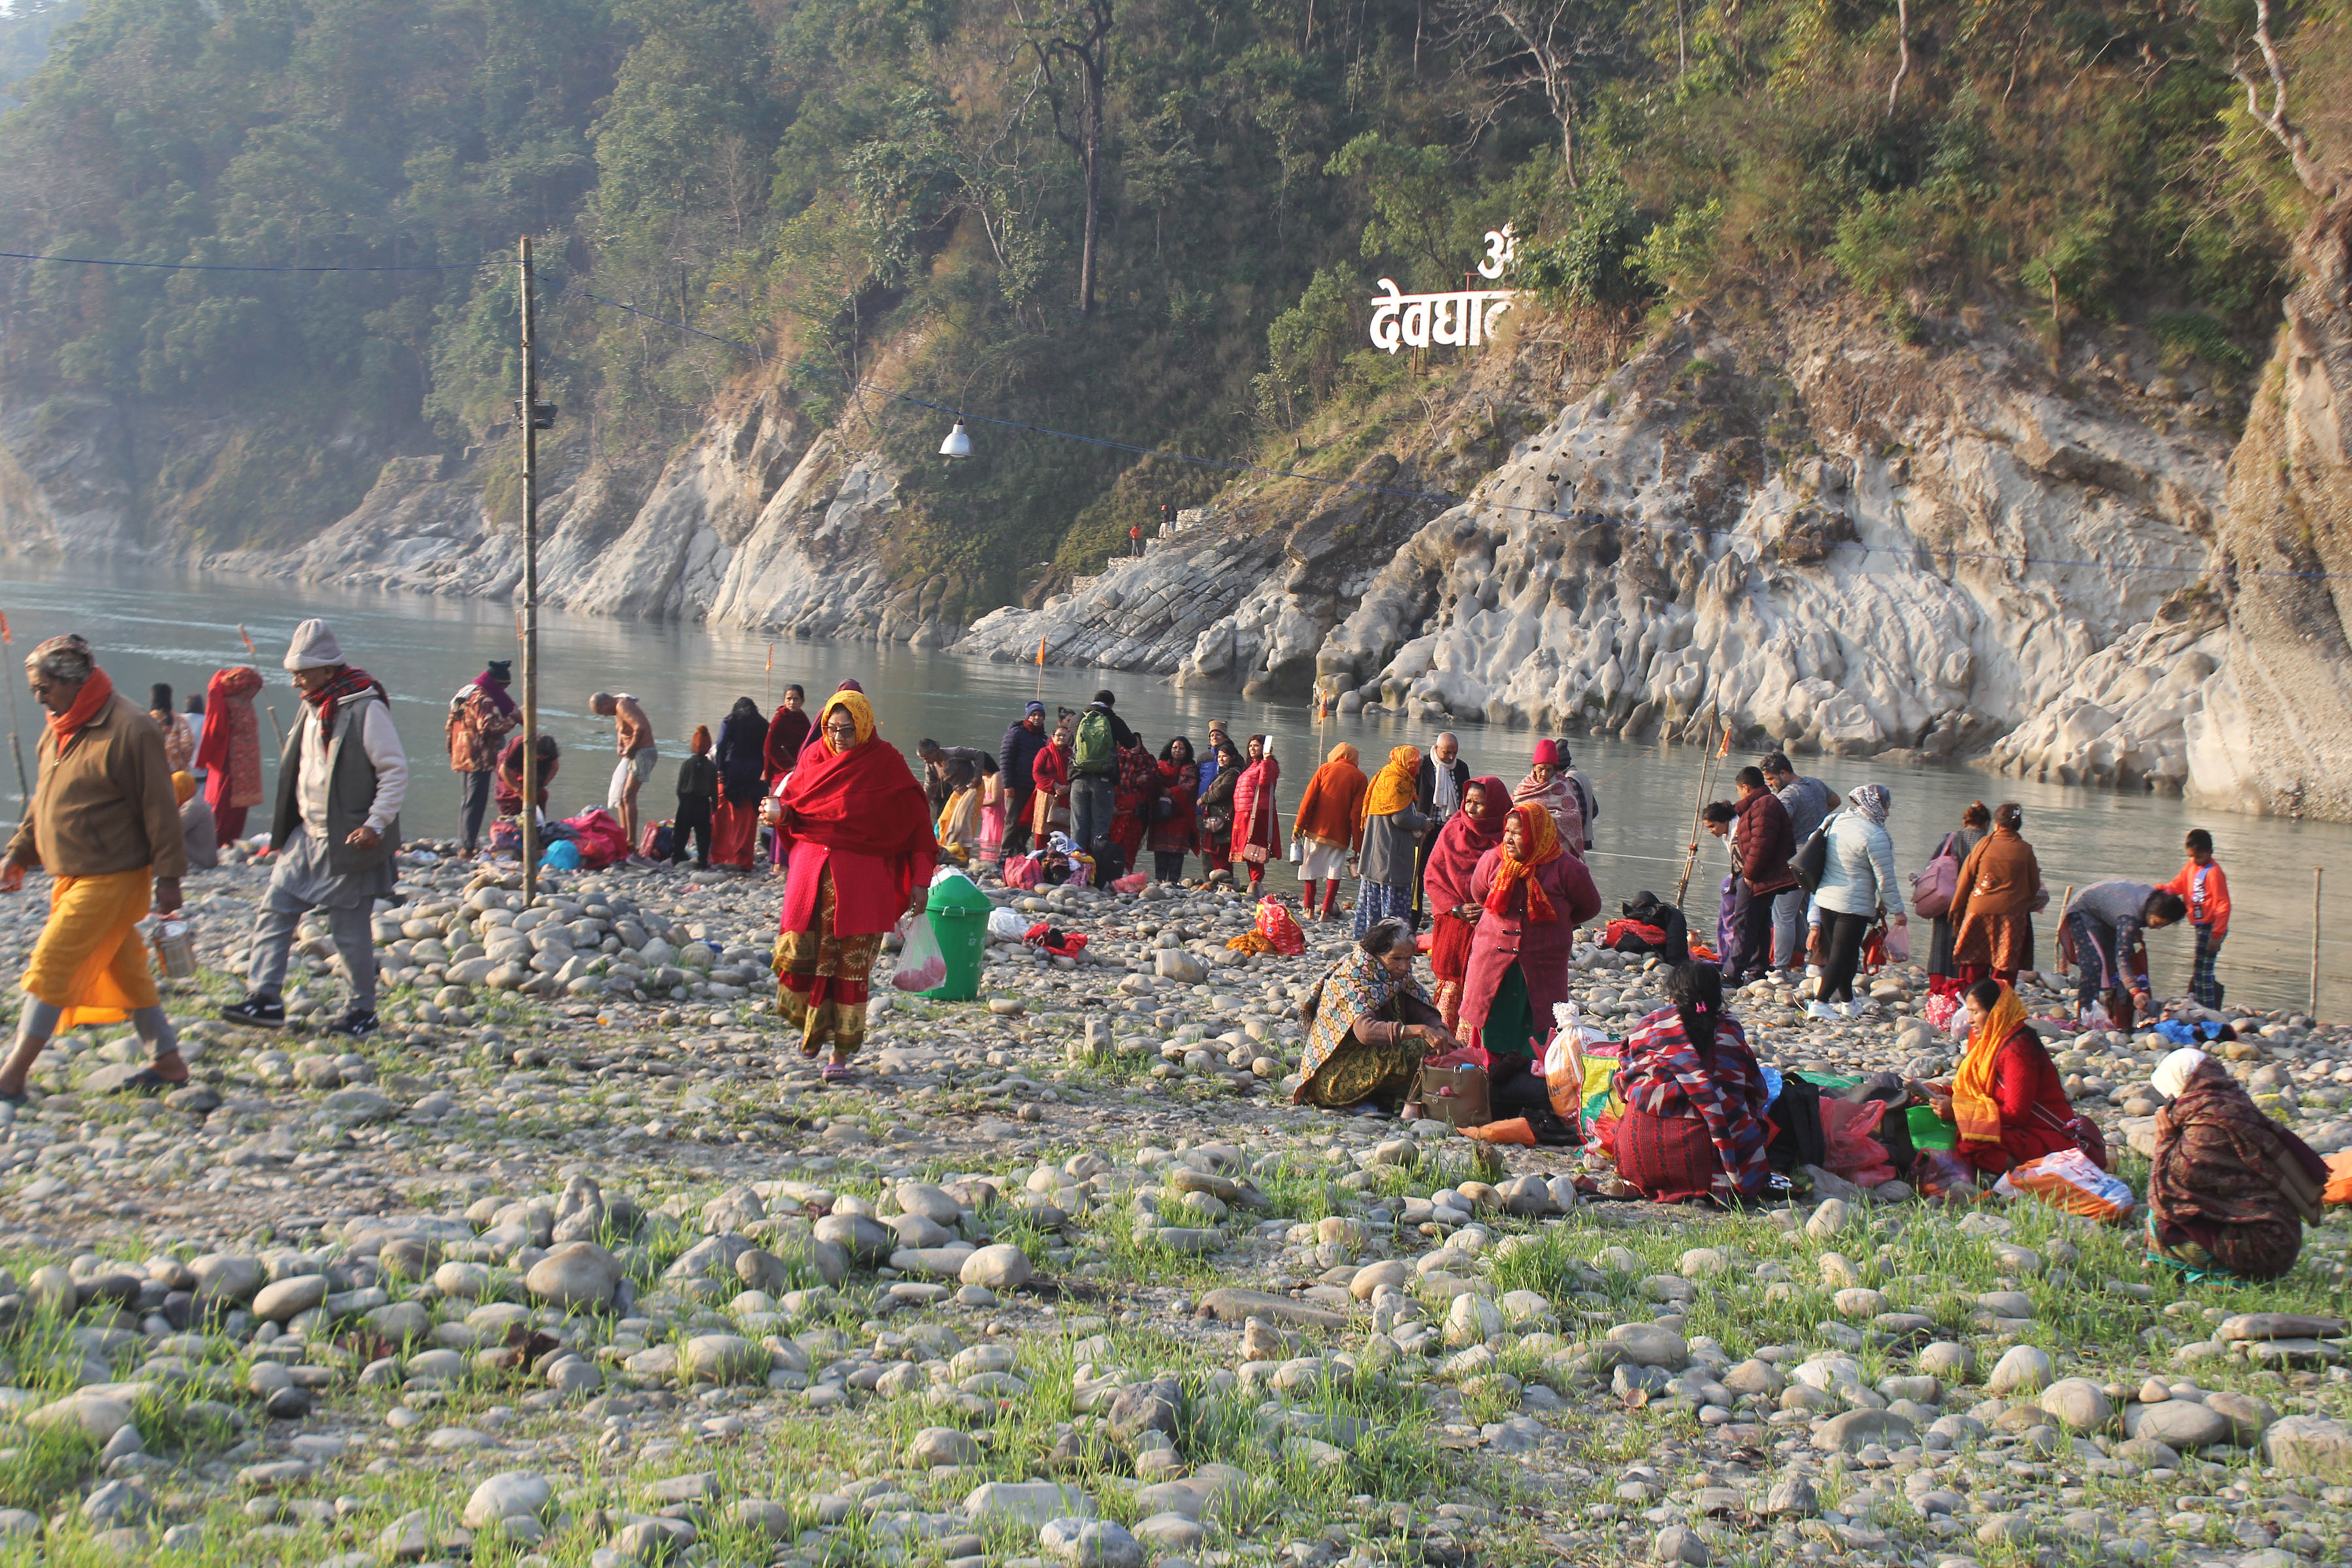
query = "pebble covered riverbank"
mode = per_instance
[{"x": 578, "y": 1263}]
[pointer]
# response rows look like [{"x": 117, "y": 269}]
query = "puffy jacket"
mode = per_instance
[
  {"x": 1016, "y": 757},
  {"x": 1860, "y": 875}
]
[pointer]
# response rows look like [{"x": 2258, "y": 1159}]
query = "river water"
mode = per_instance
[{"x": 150, "y": 626}]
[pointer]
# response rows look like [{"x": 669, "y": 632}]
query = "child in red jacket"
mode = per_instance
[{"x": 2206, "y": 891}]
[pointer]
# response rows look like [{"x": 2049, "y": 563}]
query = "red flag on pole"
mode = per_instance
[
  {"x": 250, "y": 651},
  {"x": 5, "y": 638}
]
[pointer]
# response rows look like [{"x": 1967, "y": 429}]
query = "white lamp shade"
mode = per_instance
[{"x": 958, "y": 443}]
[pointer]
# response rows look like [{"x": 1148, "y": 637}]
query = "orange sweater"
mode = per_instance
[
  {"x": 2215, "y": 911},
  {"x": 1332, "y": 809}
]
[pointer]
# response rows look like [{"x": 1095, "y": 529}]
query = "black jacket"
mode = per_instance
[{"x": 1016, "y": 758}]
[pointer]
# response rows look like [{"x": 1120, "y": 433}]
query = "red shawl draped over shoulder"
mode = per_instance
[
  {"x": 230, "y": 748},
  {"x": 1465, "y": 837},
  {"x": 863, "y": 802}
]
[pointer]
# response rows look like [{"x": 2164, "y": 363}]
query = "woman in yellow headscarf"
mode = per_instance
[
  {"x": 2008, "y": 1099},
  {"x": 858, "y": 854},
  {"x": 1391, "y": 837}
]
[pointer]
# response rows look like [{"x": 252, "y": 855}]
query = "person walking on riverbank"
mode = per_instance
[
  {"x": 336, "y": 827},
  {"x": 481, "y": 715},
  {"x": 105, "y": 825},
  {"x": 1437, "y": 795},
  {"x": 1094, "y": 772},
  {"x": 2202, "y": 887},
  {"x": 698, "y": 801},
  {"x": 860, "y": 853},
  {"x": 1858, "y": 886},
  {"x": 229, "y": 750},
  {"x": 1016, "y": 769},
  {"x": 742, "y": 758},
  {"x": 1330, "y": 827},
  {"x": 633, "y": 738},
  {"x": 1809, "y": 803}
]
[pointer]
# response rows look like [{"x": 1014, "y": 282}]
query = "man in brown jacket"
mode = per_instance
[{"x": 106, "y": 824}]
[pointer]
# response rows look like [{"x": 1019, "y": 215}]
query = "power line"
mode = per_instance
[{"x": 225, "y": 267}]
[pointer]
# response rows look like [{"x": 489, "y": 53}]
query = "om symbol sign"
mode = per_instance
[{"x": 1502, "y": 249}]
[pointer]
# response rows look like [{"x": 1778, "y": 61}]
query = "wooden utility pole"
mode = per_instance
[
  {"x": 528, "y": 413},
  {"x": 2317, "y": 874}
]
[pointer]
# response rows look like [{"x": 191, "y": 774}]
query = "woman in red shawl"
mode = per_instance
[
  {"x": 230, "y": 749},
  {"x": 1532, "y": 895},
  {"x": 1132, "y": 798},
  {"x": 1453, "y": 858},
  {"x": 858, "y": 855},
  {"x": 1258, "y": 819}
]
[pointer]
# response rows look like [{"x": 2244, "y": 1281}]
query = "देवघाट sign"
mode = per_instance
[{"x": 1464, "y": 318}]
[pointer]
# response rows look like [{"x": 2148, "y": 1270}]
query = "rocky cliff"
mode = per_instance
[{"x": 1831, "y": 536}]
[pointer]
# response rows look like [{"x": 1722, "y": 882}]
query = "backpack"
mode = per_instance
[
  {"x": 1812, "y": 861},
  {"x": 1096, "y": 749},
  {"x": 1934, "y": 885}
]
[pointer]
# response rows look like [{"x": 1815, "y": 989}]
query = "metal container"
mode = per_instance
[{"x": 173, "y": 942}]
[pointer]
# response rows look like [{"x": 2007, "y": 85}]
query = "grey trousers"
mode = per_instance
[
  {"x": 1789, "y": 927},
  {"x": 293, "y": 891}
]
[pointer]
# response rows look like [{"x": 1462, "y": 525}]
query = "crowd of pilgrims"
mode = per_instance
[{"x": 1484, "y": 879}]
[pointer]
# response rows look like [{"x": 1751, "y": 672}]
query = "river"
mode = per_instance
[{"x": 151, "y": 625}]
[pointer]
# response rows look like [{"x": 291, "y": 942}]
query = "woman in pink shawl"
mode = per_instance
[{"x": 1548, "y": 786}]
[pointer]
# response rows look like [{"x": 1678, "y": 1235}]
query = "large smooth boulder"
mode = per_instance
[{"x": 576, "y": 1274}]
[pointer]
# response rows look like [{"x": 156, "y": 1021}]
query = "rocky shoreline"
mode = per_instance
[{"x": 575, "y": 1263}]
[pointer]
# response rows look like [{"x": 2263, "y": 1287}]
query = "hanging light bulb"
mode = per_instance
[{"x": 958, "y": 443}]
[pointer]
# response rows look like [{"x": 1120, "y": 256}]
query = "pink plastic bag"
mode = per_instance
[
  {"x": 2067, "y": 1180},
  {"x": 921, "y": 966},
  {"x": 1133, "y": 882},
  {"x": 1853, "y": 1152},
  {"x": 598, "y": 834}
]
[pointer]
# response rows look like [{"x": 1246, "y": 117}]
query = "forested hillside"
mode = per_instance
[{"x": 1157, "y": 222}]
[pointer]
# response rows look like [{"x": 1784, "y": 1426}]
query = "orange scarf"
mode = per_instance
[
  {"x": 1973, "y": 1106},
  {"x": 1539, "y": 837},
  {"x": 1394, "y": 786},
  {"x": 86, "y": 703}
]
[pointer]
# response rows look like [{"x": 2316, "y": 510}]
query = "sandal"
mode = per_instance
[
  {"x": 147, "y": 1081},
  {"x": 839, "y": 1072}
]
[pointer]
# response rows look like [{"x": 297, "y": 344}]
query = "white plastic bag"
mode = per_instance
[
  {"x": 1011, "y": 925},
  {"x": 921, "y": 966},
  {"x": 2067, "y": 1180}
]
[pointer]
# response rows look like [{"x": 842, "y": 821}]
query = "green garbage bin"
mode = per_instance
[{"x": 959, "y": 916}]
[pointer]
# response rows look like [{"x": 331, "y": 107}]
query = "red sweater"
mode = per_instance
[
  {"x": 2033, "y": 1108},
  {"x": 2216, "y": 910}
]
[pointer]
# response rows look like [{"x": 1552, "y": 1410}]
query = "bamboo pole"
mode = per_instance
[{"x": 2316, "y": 874}]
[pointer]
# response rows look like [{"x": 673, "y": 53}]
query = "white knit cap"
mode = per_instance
[
  {"x": 314, "y": 646},
  {"x": 2172, "y": 1073}
]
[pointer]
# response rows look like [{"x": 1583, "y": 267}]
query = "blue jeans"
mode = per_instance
[{"x": 1091, "y": 807}]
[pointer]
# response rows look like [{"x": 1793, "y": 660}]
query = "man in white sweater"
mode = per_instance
[{"x": 335, "y": 831}]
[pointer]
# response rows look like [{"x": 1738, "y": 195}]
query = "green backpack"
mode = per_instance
[{"x": 1096, "y": 751}]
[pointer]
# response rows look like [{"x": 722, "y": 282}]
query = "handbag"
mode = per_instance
[
  {"x": 1933, "y": 884},
  {"x": 1457, "y": 1096},
  {"x": 1254, "y": 854},
  {"x": 1811, "y": 860}
]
